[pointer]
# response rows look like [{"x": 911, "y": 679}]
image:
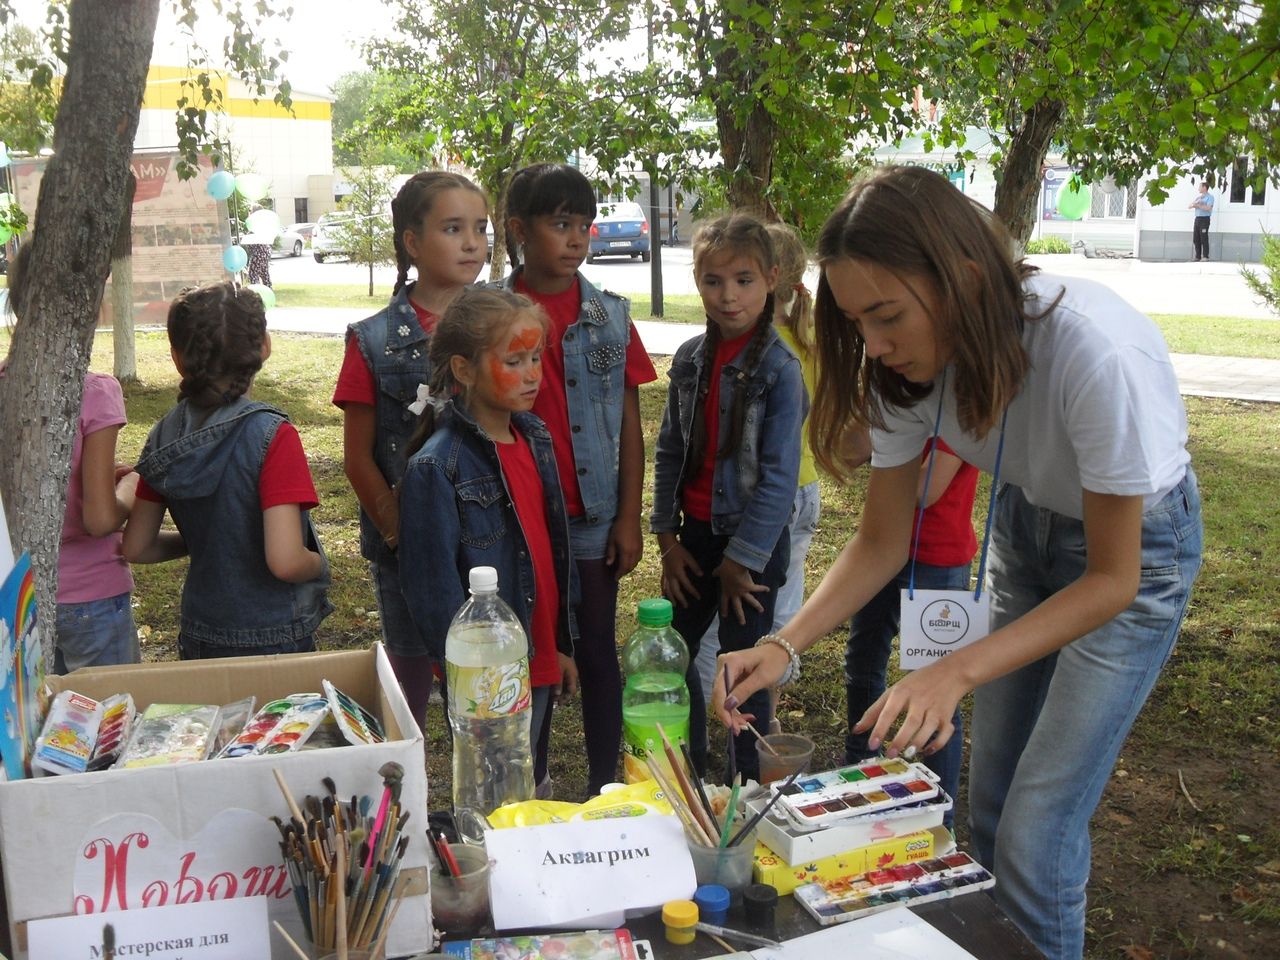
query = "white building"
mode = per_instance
[{"x": 293, "y": 151}]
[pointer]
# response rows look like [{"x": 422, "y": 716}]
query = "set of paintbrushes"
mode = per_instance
[{"x": 344, "y": 863}]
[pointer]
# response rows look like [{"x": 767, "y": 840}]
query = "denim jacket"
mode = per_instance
[
  {"x": 206, "y": 465},
  {"x": 754, "y": 488},
  {"x": 595, "y": 360},
  {"x": 394, "y": 347},
  {"x": 457, "y": 513}
]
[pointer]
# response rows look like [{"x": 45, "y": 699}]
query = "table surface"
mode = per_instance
[{"x": 972, "y": 920}]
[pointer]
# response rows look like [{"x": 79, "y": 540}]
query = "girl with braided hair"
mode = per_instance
[
  {"x": 481, "y": 490},
  {"x": 727, "y": 461},
  {"x": 232, "y": 474},
  {"x": 439, "y": 220}
]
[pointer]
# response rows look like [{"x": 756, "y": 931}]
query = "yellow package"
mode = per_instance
[{"x": 633, "y": 800}]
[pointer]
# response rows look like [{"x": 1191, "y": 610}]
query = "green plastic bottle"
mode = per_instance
[{"x": 654, "y": 661}]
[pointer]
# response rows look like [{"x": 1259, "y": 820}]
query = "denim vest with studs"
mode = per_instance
[
  {"x": 394, "y": 346},
  {"x": 595, "y": 360}
]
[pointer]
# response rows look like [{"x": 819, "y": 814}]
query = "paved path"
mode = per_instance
[{"x": 1199, "y": 376}]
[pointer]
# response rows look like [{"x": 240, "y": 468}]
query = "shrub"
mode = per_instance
[
  {"x": 1049, "y": 245},
  {"x": 1267, "y": 290}
]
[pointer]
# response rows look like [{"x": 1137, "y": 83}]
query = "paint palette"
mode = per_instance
[
  {"x": 872, "y": 786},
  {"x": 280, "y": 726},
  {"x": 907, "y": 885},
  {"x": 357, "y": 724}
]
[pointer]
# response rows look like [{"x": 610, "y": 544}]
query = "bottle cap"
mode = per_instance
[
  {"x": 680, "y": 913},
  {"x": 711, "y": 899},
  {"x": 483, "y": 580},
  {"x": 654, "y": 613},
  {"x": 758, "y": 903}
]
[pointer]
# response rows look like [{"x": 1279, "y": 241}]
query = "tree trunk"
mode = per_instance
[
  {"x": 126, "y": 361},
  {"x": 747, "y": 146},
  {"x": 1018, "y": 185},
  {"x": 82, "y": 198},
  {"x": 498, "y": 265}
]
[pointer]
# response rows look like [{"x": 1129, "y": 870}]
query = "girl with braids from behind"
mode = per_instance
[
  {"x": 481, "y": 490},
  {"x": 727, "y": 461},
  {"x": 439, "y": 220},
  {"x": 231, "y": 473}
]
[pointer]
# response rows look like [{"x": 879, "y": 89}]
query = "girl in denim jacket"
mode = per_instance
[
  {"x": 481, "y": 489},
  {"x": 439, "y": 220},
  {"x": 727, "y": 462},
  {"x": 232, "y": 473}
]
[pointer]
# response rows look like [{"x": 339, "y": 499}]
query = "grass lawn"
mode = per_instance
[
  {"x": 1186, "y": 839},
  {"x": 1216, "y": 336}
]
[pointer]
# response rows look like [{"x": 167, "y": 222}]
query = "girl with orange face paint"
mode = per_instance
[{"x": 481, "y": 489}]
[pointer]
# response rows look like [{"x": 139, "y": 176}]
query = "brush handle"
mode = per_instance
[{"x": 759, "y": 814}]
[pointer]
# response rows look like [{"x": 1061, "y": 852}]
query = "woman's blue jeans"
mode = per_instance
[{"x": 1044, "y": 739}]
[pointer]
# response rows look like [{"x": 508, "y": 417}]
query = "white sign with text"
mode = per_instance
[
  {"x": 200, "y": 930},
  {"x": 562, "y": 873},
  {"x": 938, "y": 622}
]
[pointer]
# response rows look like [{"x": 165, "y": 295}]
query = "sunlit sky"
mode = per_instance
[{"x": 323, "y": 37}]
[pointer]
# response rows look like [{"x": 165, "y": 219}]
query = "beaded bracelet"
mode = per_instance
[{"x": 793, "y": 668}]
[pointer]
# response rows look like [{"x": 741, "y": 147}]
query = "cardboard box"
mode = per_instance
[
  {"x": 129, "y": 839},
  {"x": 797, "y": 847},
  {"x": 772, "y": 869}
]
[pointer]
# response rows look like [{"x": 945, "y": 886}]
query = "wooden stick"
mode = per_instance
[
  {"x": 288, "y": 797},
  {"x": 340, "y": 881},
  {"x": 691, "y": 826},
  {"x": 697, "y": 784},
  {"x": 386, "y": 927},
  {"x": 763, "y": 742},
  {"x": 290, "y": 941},
  {"x": 686, "y": 787}
]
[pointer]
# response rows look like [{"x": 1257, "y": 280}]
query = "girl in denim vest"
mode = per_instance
[
  {"x": 482, "y": 490},
  {"x": 232, "y": 474},
  {"x": 594, "y": 365},
  {"x": 439, "y": 221},
  {"x": 727, "y": 462}
]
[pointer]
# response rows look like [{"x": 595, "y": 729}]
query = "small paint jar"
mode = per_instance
[
  {"x": 759, "y": 901},
  {"x": 679, "y": 917},
  {"x": 713, "y": 903}
]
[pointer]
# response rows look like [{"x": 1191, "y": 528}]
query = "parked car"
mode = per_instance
[
  {"x": 322, "y": 244},
  {"x": 620, "y": 230},
  {"x": 288, "y": 244},
  {"x": 304, "y": 230}
]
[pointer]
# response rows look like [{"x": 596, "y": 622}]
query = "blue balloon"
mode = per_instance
[
  {"x": 234, "y": 258},
  {"x": 221, "y": 185}
]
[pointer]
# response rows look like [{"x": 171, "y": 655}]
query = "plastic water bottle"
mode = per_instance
[
  {"x": 654, "y": 660},
  {"x": 487, "y": 664}
]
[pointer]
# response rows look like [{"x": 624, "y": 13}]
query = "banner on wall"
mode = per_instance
[{"x": 1054, "y": 178}]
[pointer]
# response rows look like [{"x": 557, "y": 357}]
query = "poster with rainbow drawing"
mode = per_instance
[{"x": 21, "y": 670}]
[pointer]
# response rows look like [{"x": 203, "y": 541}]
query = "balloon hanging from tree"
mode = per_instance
[
  {"x": 252, "y": 186},
  {"x": 1073, "y": 199},
  {"x": 221, "y": 185},
  {"x": 265, "y": 223},
  {"x": 234, "y": 259}
]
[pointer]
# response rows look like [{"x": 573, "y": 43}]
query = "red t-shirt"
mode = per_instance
[
  {"x": 355, "y": 379},
  {"x": 552, "y": 404},
  {"x": 285, "y": 476},
  {"x": 696, "y": 496},
  {"x": 946, "y": 535},
  {"x": 521, "y": 474}
]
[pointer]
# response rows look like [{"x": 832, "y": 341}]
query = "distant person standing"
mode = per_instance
[{"x": 1203, "y": 206}]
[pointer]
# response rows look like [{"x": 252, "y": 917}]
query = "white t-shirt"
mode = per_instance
[{"x": 1099, "y": 409}]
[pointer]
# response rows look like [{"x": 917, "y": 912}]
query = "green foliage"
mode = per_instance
[
  {"x": 1159, "y": 90},
  {"x": 1266, "y": 290},
  {"x": 27, "y": 105},
  {"x": 365, "y": 233},
  {"x": 355, "y": 95},
  {"x": 1050, "y": 244}
]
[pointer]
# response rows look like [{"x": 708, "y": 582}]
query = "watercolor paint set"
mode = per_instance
[
  {"x": 869, "y": 787},
  {"x": 906, "y": 885},
  {"x": 357, "y": 724},
  {"x": 280, "y": 726}
]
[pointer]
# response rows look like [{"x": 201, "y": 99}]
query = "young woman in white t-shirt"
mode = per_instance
[{"x": 1096, "y": 537}]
